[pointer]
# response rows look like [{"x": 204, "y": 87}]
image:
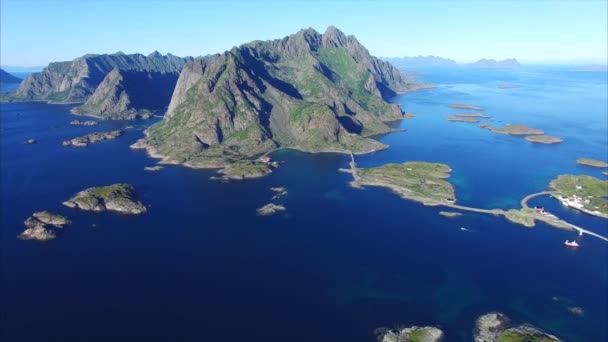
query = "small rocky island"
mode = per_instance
[
  {"x": 518, "y": 130},
  {"x": 490, "y": 327},
  {"x": 592, "y": 162},
  {"x": 84, "y": 123},
  {"x": 243, "y": 169},
  {"x": 270, "y": 209},
  {"x": 91, "y": 138},
  {"x": 411, "y": 334},
  {"x": 279, "y": 192},
  {"x": 418, "y": 181},
  {"x": 463, "y": 119},
  {"x": 494, "y": 327},
  {"x": 449, "y": 214},
  {"x": 153, "y": 168},
  {"x": 117, "y": 197},
  {"x": 464, "y": 106},
  {"x": 585, "y": 193},
  {"x": 544, "y": 139},
  {"x": 41, "y": 226}
]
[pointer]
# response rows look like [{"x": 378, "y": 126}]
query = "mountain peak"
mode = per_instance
[
  {"x": 155, "y": 54},
  {"x": 335, "y": 36}
]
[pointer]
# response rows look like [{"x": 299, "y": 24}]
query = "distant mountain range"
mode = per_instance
[
  {"x": 404, "y": 62},
  {"x": 5, "y": 77},
  {"x": 492, "y": 63},
  {"x": 114, "y": 86},
  {"x": 434, "y": 61}
]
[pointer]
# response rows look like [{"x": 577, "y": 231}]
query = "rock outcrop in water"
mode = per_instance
[
  {"x": 91, "y": 138},
  {"x": 41, "y": 226},
  {"x": 311, "y": 91},
  {"x": 494, "y": 327},
  {"x": 117, "y": 197},
  {"x": 412, "y": 334},
  {"x": 115, "y": 84}
]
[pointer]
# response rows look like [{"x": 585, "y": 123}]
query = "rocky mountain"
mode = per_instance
[
  {"x": 130, "y": 94},
  {"x": 420, "y": 61},
  {"x": 79, "y": 79},
  {"x": 492, "y": 63},
  {"x": 5, "y": 77},
  {"x": 311, "y": 91}
]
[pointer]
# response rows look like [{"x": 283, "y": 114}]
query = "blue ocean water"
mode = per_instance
[{"x": 340, "y": 262}]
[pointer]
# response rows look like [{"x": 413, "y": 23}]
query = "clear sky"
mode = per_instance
[{"x": 38, "y": 32}]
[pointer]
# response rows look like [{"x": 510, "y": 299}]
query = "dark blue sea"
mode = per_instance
[{"x": 340, "y": 262}]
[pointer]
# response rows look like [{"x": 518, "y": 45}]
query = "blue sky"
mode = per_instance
[{"x": 38, "y": 32}]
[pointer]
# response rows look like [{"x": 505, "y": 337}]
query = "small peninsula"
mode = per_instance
[
  {"x": 41, "y": 226},
  {"x": 585, "y": 193},
  {"x": 592, "y": 162},
  {"x": 544, "y": 139},
  {"x": 465, "y": 106},
  {"x": 91, "y": 138},
  {"x": 117, "y": 197}
]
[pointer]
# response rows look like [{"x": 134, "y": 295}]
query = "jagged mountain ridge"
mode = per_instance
[
  {"x": 130, "y": 94},
  {"x": 312, "y": 91},
  {"x": 77, "y": 80}
]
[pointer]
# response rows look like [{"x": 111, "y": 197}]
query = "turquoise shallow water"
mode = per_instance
[{"x": 200, "y": 265}]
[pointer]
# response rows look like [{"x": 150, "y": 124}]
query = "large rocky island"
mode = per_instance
[
  {"x": 310, "y": 91},
  {"x": 117, "y": 197},
  {"x": 112, "y": 86}
]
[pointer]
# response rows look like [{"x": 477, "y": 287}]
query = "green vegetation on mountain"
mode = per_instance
[{"x": 311, "y": 91}]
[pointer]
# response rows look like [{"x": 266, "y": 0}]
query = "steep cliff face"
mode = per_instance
[
  {"x": 76, "y": 81},
  {"x": 316, "y": 92},
  {"x": 130, "y": 94}
]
